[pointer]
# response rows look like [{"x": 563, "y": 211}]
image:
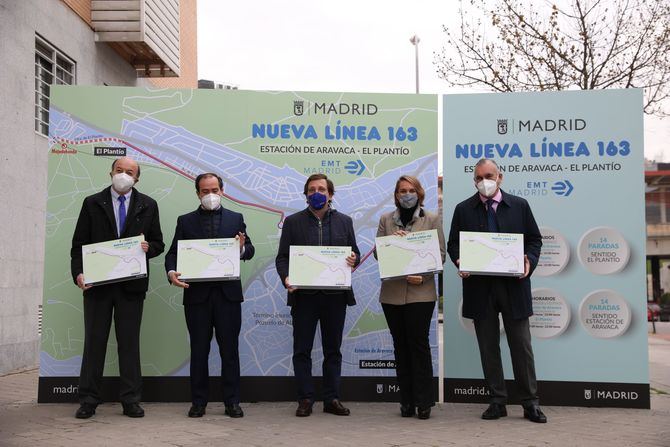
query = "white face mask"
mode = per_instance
[
  {"x": 487, "y": 187},
  {"x": 211, "y": 201},
  {"x": 122, "y": 182}
]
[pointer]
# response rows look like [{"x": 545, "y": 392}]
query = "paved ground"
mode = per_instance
[{"x": 24, "y": 423}]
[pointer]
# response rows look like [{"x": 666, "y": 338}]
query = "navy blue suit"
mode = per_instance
[
  {"x": 309, "y": 307},
  {"x": 484, "y": 297},
  {"x": 212, "y": 305}
]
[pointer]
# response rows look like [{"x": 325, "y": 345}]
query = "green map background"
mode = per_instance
[{"x": 224, "y": 118}]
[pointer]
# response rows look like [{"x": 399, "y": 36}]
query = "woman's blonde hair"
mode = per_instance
[{"x": 415, "y": 183}]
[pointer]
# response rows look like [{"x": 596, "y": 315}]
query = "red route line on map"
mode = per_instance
[
  {"x": 176, "y": 169},
  {"x": 367, "y": 255}
]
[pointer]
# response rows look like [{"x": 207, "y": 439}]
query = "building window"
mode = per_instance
[
  {"x": 51, "y": 67},
  {"x": 653, "y": 213}
]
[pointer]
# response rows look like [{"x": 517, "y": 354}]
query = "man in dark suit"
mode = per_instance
[
  {"x": 491, "y": 209},
  {"x": 118, "y": 211},
  {"x": 212, "y": 305},
  {"x": 318, "y": 224}
]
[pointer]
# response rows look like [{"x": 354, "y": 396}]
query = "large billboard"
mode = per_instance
[
  {"x": 577, "y": 158},
  {"x": 264, "y": 145}
]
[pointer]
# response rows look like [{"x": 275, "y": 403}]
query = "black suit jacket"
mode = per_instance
[
  {"x": 514, "y": 216},
  {"x": 96, "y": 223},
  {"x": 189, "y": 226},
  {"x": 302, "y": 228}
]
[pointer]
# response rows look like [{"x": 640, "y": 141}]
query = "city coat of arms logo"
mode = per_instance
[
  {"x": 298, "y": 107},
  {"x": 502, "y": 127}
]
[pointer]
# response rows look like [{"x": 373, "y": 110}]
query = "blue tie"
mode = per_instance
[
  {"x": 122, "y": 213},
  {"x": 491, "y": 216}
]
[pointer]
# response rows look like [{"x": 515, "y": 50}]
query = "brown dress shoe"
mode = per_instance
[
  {"x": 335, "y": 407},
  {"x": 304, "y": 408}
]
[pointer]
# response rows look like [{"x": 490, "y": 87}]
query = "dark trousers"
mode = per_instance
[
  {"x": 519, "y": 342},
  {"x": 218, "y": 314},
  {"x": 98, "y": 310},
  {"x": 409, "y": 325},
  {"x": 330, "y": 312}
]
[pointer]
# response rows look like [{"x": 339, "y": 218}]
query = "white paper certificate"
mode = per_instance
[
  {"x": 497, "y": 254},
  {"x": 413, "y": 254},
  {"x": 114, "y": 261},
  {"x": 319, "y": 267},
  {"x": 208, "y": 259}
]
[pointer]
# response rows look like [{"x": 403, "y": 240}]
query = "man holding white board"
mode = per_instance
[
  {"x": 213, "y": 305},
  {"x": 317, "y": 225},
  {"x": 117, "y": 212},
  {"x": 492, "y": 210}
]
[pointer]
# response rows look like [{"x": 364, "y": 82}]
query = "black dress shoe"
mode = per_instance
[
  {"x": 424, "y": 413},
  {"x": 335, "y": 407},
  {"x": 407, "y": 411},
  {"x": 234, "y": 411},
  {"x": 196, "y": 411},
  {"x": 534, "y": 414},
  {"x": 304, "y": 408},
  {"x": 494, "y": 411},
  {"x": 133, "y": 410},
  {"x": 85, "y": 411}
]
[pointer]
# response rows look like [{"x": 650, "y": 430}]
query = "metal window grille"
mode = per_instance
[
  {"x": 51, "y": 67},
  {"x": 40, "y": 319}
]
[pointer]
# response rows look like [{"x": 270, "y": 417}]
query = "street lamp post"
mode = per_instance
[{"x": 415, "y": 41}]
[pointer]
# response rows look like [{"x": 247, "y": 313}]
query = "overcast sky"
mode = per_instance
[{"x": 355, "y": 46}]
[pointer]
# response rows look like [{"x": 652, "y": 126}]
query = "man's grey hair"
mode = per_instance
[{"x": 483, "y": 161}]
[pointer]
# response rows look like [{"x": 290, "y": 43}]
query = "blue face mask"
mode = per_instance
[{"x": 317, "y": 200}]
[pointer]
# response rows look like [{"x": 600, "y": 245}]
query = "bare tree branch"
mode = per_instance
[{"x": 510, "y": 45}]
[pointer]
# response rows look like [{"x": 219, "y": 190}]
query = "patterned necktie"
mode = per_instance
[
  {"x": 122, "y": 213},
  {"x": 491, "y": 216}
]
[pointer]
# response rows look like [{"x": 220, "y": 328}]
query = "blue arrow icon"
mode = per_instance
[
  {"x": 355, "y": 167},
  {"x": 563, "y": 188}
]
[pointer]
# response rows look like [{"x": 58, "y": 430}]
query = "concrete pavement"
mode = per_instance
[{"x": 24, "y": 423}]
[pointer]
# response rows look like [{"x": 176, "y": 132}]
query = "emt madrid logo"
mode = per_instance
[
  {"x": 562, "y": 188},
  {"x": 355, "y": 167}
]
